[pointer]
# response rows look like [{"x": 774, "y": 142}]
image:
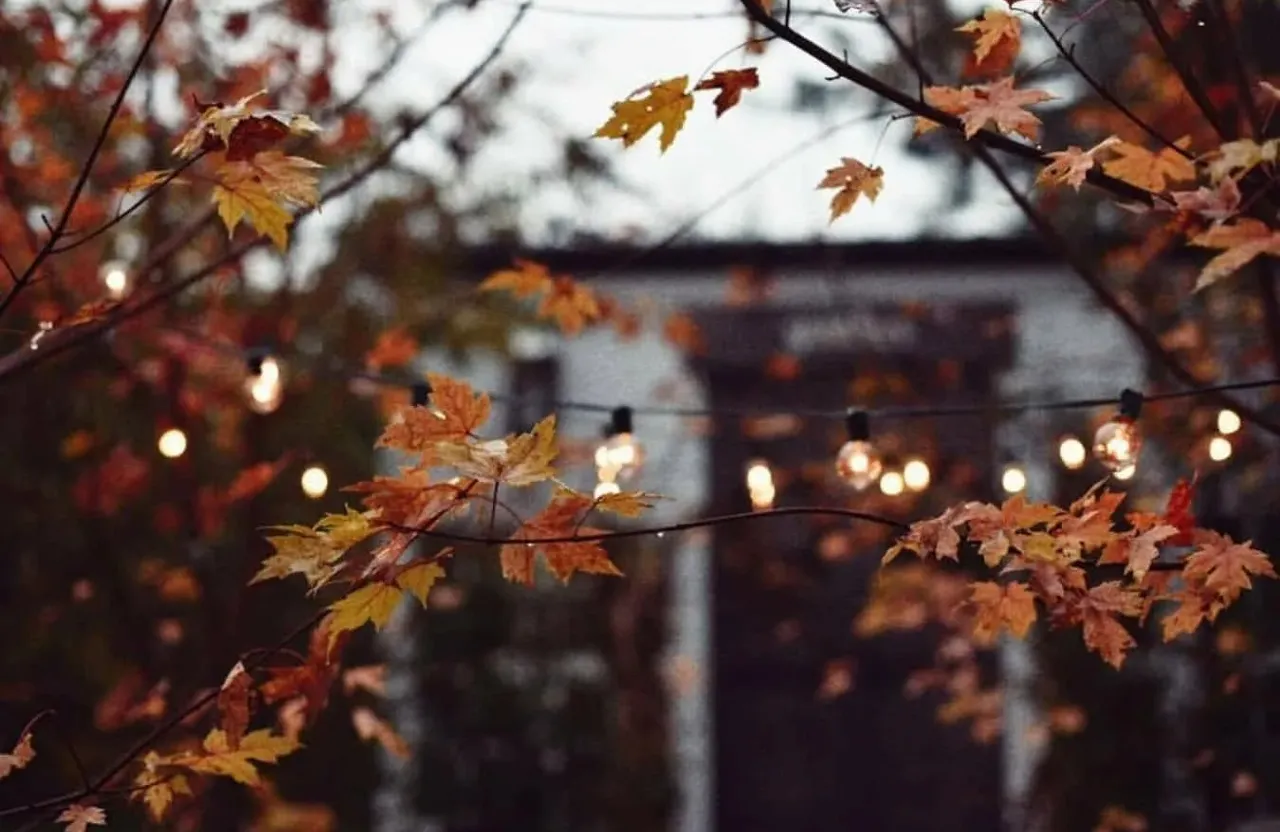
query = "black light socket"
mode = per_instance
[
  {"x": 620, "y": 422},
  {"x": 421, "y": 393},
  {"x": 858, "y": 424},
  {"x": 1130, "y": 404}
]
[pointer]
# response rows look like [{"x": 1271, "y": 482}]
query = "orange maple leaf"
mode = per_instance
[
  {"x": 455, "y": 412},
  {"x": 730, "y": 83},
  {"x": 680, "y": 330},
  {"x": 852, "y": 179},
  {"x": 394, "y": 348},
  {"x": 1071, "y": 166},
  {"x": 998, "y": 41},
  {"x": 1000, "y": 104},
  {"x": 235, "y": 704},
  {"x": 562, "y": 518},
  {"x": 570, "y": 304},
  {"x": 526, "y": 280},
  {"x": 1225, "y": 567},
  {"x": 1102, "y": 632},
  {"x": 1242, "y": 241},
  {"x": 951, "y": 100},
  {"x": 1149, "y": 171},
  {"x": 996, "y": 608}
]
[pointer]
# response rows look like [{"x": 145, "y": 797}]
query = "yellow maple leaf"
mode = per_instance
[
  {"x": 515, "y": 460},
  {"x": 1150, "y": 171},
  {"x": 526, "y": 280},
  {"x": 1234, "y": 159},
  {"x": 665, "y": 103},
  {"x": 418, "y": 578},
  {"x": 852, "y": 179},
  {"x": 1242, "y": 241},
  {"x": 261, "y": 189},
  {"x": 626, "y": 503},
  {"x": 149, "y": 179},
  {"x": 372, "y": 603},
  {"x": 217, "y": 757},
  {"x": 570, "y": 305},
  {"x": 314, "y": 552},
  {"x": 998, "y": 40}
]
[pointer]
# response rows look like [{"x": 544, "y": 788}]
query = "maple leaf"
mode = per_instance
[
  {"x": 374, "y": 603},
  {"x": 402, "y": 500},
  {"x": 1186, "y": 618},
  {"x": 149, "y": 179},
  {"x": 730, "y": 83},
  {"x": 665, "y": 103},
  {"x": 217, "y": 757},
  {"x": 951, "y": 100},
  {"x": 158, "y": 791},
  {"x": 1225, "y": 567},
  {"x": 418, "y": 578},
  {"x": 570, "y": 305},
  {"x": 369, "y": 727},
  {"x": 310, "y": 682},
  {"x": 1000, "y": 104},
  {"x": 626, "y": 503},
  {"x": 1222, "y": 202},
  {"x": 998, "y": 41},
  {"x": 516, "y": 460},
  {"x": 1149, "y": 171},
  {"x": 235, "y": 704},
  {"x": 996, "y": 607},
  {"x": 1138, "y": 551},
  {"x": 240, "y": 132},
  {"x": 394, "y": 348},
  {"x": 1102, "y": 632},
  {"x": 561, "y": 518},
  {"x": 1178, "y": 511},
  {"x": 1242, "y": 241},
  {"x": 77, "y": 817},
  {"x": 1071, "y": 166},
  {"x": 21, "y": 756},
  {"x": 1237, "y": 158},
  {"x": 852, "y": 179},
  {"x": 372, "y": 678},
  {"x": 314, "y": 552},
  {"x": 937, "y": 537},
  {"x": 260, "y": 191},
  {"x": 456, "y": 411},
  {"x": 528, "y": 279}
]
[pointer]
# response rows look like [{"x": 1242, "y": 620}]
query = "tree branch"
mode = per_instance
[{"x": 1189, "y": 81}]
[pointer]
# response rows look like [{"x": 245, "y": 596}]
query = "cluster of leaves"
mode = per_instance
[{"x": 1044, "y": 557}]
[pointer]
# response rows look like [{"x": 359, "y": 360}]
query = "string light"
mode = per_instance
[
  {"x": 620, "y": 454},
  {"x": 1118, "y": 442},
  {"x": 606, "y": 487},
  {"x": 760, "y": 485},
  {"x": 916, "y": 474},
  {"x": 1072, "y": 452},
  {"x": 315, "y": 482},
  {"x": 115, "y": 277},
  {"x": 172, "y": 443},
  {"x": 264, "y": 386},
  {"x": 1220, "y": 449},
  {"x": 1228, "y": 422},
  {"x": 857, "y": 463},
  {"x": 45, "y": 328},
  {"x": 891, "y": 483},
  {"x": 1126, "y": 473},
  {"x": 1014, "y": 479}
]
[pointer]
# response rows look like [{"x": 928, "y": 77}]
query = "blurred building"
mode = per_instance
[{"x": 758, "y": 614}]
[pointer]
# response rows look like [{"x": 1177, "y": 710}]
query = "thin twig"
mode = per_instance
[{"x": 1189, "y": 81}]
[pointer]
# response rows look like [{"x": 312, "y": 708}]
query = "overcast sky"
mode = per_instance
[{"x": 584, "y": 54}]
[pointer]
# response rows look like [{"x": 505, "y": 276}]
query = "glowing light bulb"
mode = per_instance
[
  {"x": 620, "y": 454},
  {"x": 1126, "y": 473},
  {"x": 264, "y": 388},
  {"x": 45, "y": 328},
  {"x": 916, "y": 475},
  {"x": 857, "y": 463},
  {"x": 605, "y": 488},
  {"x": 1220, "y": 449},
  {"x": 315, "y": 482},
  {"x": 172, "y": 443},
  {"x": 115, "y": 277},
  {"x": 1013, "y": 480},
  {"x": 892, "y": 483},
  {"x": 1117, "y": 443},
  {"x": 1072, "y": 452},
  {"x": 760, "y": 485},
  {"x": 1228, "y": 422}
]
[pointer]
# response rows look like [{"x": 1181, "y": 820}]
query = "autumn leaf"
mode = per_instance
[
  {"x": 149, "y": 179},
  {"x": 1139, "y": 551},
  {"x": 999, "y": 104},
  {"x": 240, "y": 132},
  {"x": 1225, "y": 567},
  {"x": 518, "y": 460},
  {"x": 315, "y": 552},
  {"x": 1242, "y": 241},
  {"x": 217, "y": 757},
  {"x": 682, "y": 331},
  {"x": 935, "y": 537},
  {"x": 456, "y": 411},
  {"x": 1150, "y": 171},
  {"x": 311, "y": 681},
  {"x": 369, "y": 727},
  {"x": 626, "y": 503},
  {"x": 394, "y": 348},
  {"x": 261, "y": 189},
  {"x": 560, "y": 519},
  {"x": 665, "y": 103},
  {"x": 528, "y": 279},
  {"x": 998, "y": 39},
  {"x": 730, "y": 83},
  {"x": 570, "y": 305},
  {"x": 1237, "y": 158},
  {"x": 997, "y": 607},
  {"x": 951, "y": 100},
  {"x": 158, "y": 789},
  {"x": 1071, "y": 166},
  {"x": 373, "y": 603},
  {"x": 1178, "y": 511},
  {"x": 78, "y": 817},
  {"x": 1103, "y": 633},
  {"x": 852, "y": 179},
  {"x": 23, "y": 753},
  {"x": 418, "y": 578},
  {"x": 235, "y": 704}
]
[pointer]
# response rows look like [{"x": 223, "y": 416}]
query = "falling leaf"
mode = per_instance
[
  {"x": 852, "y": 179},
  {"x": 998, "y": 41},
  {"x": 369, "y": 727},
  {"x": 1149, "y": 171},
  {"x": 1242, "y": 241},
  {"x": 731, "y": 84},
  {"x": 77, "y": 817},
  {"x": 665, "y": 103},
  {"x": 23, "y": 753}
]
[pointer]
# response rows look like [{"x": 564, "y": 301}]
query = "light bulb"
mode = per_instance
[
  {"x": 605, "y": 488},
  {"x": 1126, "y": 473},
  {"x": 264, "y": 388},
  {"x": 315, "y": 482},
  {"x": 760, "y": 485},
  {"x": 858, "y": 464},
  {"x": 172, "y": 443},
  {"x": 1220, "y": 448},
  {"x": 891, "y": 483},
  {"x": 1228, "y": 422},
  {"x": 1117, "y": 443},
  {"x": 115, "y": 277},
  {"x": 45, "y": 328},
  {"x": 620, "y": 454},
  {"x": 916, "y": 474},
  {"x": 1013, "y": 480},
  {"x": 1072, "y": 452}
]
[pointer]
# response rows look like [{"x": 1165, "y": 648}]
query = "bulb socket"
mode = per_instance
[
  {"x": 1130, "y": 404},
  {"x": 421, "y": 392},
  {"x": 620, "y": 421},
  {"x": 858, "y": 424}
]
